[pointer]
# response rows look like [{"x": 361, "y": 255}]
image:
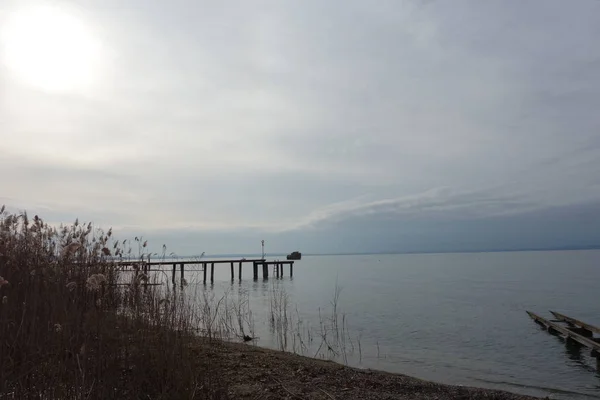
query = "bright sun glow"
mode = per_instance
[{"x": 50, "y": 49}]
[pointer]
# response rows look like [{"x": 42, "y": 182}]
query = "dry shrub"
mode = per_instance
[{"x": 73, "y": 324}]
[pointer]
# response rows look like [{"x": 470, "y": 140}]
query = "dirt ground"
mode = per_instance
[{"x": 255, "y": 373}]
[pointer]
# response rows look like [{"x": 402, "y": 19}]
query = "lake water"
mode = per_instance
[{"x": 451, "y": 318}]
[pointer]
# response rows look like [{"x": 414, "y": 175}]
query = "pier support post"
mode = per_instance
[
  {"x": 173, "y": 275},
  {"x": 292, "y": 269},
  {"x": 255, "y": 270},
  {"x": 232, "y": 274},
  {"x": 265, "y": 270},
  {"x": 204, "y": 268},
  {"x": 240, "y": 271},
  {"x": 182, "y": 277},
  {"x": 212, "y": 272}
]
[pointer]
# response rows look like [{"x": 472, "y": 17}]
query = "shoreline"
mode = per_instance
[{"x": 253, "y": 372}]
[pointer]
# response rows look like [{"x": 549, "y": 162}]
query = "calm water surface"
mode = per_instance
[{"x": 452, "y": 318}]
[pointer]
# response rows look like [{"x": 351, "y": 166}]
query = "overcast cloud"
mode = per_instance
[{"x": 338, "y": 126}]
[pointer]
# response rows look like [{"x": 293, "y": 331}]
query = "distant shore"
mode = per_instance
[
  {"x": 256, "y": 373},
  {"x": 424, "y": 252}
]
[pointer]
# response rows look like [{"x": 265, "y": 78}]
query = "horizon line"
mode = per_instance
[{"x": 525, "y": 249}]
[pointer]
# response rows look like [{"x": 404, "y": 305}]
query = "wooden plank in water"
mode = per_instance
[
  {"x": 576, "y": 322},
  {"x": 566, "y": 333}
]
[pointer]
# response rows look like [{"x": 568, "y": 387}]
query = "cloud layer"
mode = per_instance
[{"x": 313, "y": 122}]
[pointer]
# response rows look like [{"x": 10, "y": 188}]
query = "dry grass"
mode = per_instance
[
  {"x": 330, "y": 340},
  {"x": 69, "y": 328}
]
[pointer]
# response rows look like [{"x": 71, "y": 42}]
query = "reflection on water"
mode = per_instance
[{"x": 581, "y": 357}]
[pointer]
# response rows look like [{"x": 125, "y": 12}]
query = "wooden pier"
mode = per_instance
[
  {"x": 278, "y": 267},
  {"x": 571, "y": 329}
]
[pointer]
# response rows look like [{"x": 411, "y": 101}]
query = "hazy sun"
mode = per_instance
[{"x": 49, "y": 48}]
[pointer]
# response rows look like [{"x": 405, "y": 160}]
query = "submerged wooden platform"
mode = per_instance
[
  {"x": 571, "y": 329},
  {"x": 146, "y": 266},
  {"x": 575, "y": 322}
]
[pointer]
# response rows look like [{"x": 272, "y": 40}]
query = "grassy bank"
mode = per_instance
[{"x": 73, "y": 325}]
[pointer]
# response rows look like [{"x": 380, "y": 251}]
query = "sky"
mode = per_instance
[{"x": 326, "y": 127}]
